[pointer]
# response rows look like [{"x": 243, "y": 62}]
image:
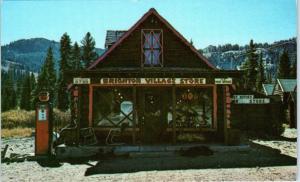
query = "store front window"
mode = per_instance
[
  {"x": 113, "y": 107},
  {"x": 194, "y": 108}
]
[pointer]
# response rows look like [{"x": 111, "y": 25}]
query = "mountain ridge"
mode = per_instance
[{"x": 29, "y": 54}]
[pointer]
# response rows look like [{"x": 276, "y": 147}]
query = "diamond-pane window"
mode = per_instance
[{"x": 152, "y": 47}]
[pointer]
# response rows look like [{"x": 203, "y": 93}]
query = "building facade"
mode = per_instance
[{"x": 154, "y": 86}]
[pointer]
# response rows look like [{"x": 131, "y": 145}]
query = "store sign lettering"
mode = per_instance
[{"x": 153, "y": 81}]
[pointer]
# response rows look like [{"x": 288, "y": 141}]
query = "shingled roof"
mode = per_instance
[
  {"x": 113, "y": 36},
  {"x": 287, "y": 85}
]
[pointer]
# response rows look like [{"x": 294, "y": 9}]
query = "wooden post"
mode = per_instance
[
  {"x": 90, "y": 105},
  {"x": 174, "y": 112},
  {"x": 79, "y": 106},
  {"x": 225, "y": 115},
  {"x": 215, "y": 105},
  {"x": 134, "y": 115}
]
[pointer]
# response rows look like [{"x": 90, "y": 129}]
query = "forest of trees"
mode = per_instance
[
  {"x": 20, "y": 88},
  {"x": 254, "y": 70}
]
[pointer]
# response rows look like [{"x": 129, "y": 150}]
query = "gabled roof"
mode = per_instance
[
  {"x": 293, "y": 96},
  {"x": 152, "y": 11},
  {"x": 113, "y": 36},
  {"x": 287, "y": 85},
  {"x": 268, "y": 88}
]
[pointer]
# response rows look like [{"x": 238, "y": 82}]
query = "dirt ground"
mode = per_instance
[{"x": 276, "y": 162}]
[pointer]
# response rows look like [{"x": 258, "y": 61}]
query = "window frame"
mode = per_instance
[{"x": 161, "y": 57}]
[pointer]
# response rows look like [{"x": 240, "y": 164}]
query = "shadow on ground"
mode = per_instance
[{"x": 255, "y": 157}]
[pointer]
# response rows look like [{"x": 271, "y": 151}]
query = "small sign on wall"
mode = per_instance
[
  {"x": 238, "y": 97},
  {"x": 249, "y": 99},
  {"x": 223, "y": 81},
  {"x": 81, "y": 81}
]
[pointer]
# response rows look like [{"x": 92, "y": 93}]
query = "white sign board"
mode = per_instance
[
  {"x": 81, "y": 81},
  {"x": 238, "y": 97},
  {"x": 223, "y": 81},
  {"x": 152, "y": 81},
  {"x": 249, "y": 99}
]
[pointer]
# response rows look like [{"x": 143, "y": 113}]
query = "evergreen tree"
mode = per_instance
[
  {"x": 251, "y": 67},
  {"x": 26, "y": 93},
  {"x": 191, "y": 42},
  {"x": 294, "y": 70},
  {"x": 65, "y": 65},
  {"x": 19, "y": 86},
  {"x": 65, "y": 53},
  {"x": 88, "y": 45},
  {"x": 261, "y": 75},
  {"x": 33, "y": 81},
  {"x": 8, "y": 92},
  {"x": 76, "y": 57},
  {"x": 62, "y": 96},
  {"x": 269, "y": 77},
  {"x": 46, "y": 79},
  {"x": 284, "y": 68},
  {"x": 33, "y": 86}
]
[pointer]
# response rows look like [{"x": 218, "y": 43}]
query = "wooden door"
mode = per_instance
[{"x": 153, "y": 122}]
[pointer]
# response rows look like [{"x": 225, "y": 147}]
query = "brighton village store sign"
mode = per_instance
[{"x": 152, "y": 81}]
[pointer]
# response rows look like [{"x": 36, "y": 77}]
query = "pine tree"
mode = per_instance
[
  {"x": 294, "y": 70},
  {"x": 261, "y": 75},
  {"x": 269, "y": 77},
  {"x": 284, "y": 68},
  {"x": 89, "y": 54},
  {"x": 33, "y": 81},
  {"x": 65, "y": 65},
  {"x": 8, "y": 92},
  {"x": 33, "y": 86},
  {"x": 26, "y": 93},
  {"x": 76, "y": 57},
  {"x": 191, "y": 42},
  {"x": 46, "y": 79},
  {"x": 65, "y": 53},
  {"x": 62, "y": 95},
  {"x": 251, "y": 67},
  {"x": 19, "y": 89}
]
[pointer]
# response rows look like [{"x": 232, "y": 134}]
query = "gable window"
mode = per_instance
[{"x": 152, "y": 54}]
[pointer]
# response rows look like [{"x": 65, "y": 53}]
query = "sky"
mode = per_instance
[{"x": 206, "y": 22}]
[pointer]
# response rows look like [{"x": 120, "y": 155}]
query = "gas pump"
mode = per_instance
[{"x": 43, "y": 129}]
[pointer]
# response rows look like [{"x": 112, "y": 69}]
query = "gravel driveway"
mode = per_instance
[{"x": 257, "y": 165}]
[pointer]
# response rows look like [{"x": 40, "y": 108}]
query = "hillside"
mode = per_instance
[
  {"x": 231, "y": 57},
  {"x": 30, "y": 54}
]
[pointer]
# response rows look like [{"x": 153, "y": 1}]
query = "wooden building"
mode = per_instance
[
  {"x": 153, "y": 86},
  {"x": 292, "y": 108},
  {"x": 286, "y": 89}
]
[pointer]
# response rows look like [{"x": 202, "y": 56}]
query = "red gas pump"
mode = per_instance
[{"x": 43, "y": 129}]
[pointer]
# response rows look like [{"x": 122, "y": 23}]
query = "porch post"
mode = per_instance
[
  {"x": 174, "y": 112},
  {"x": 215, "y": 109},
  {"x": 90, "y": 105},
  {"x": 79, "y": 116},
  {"x": 225, "y": 114},
  {"x": 134, "y": 114}
]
